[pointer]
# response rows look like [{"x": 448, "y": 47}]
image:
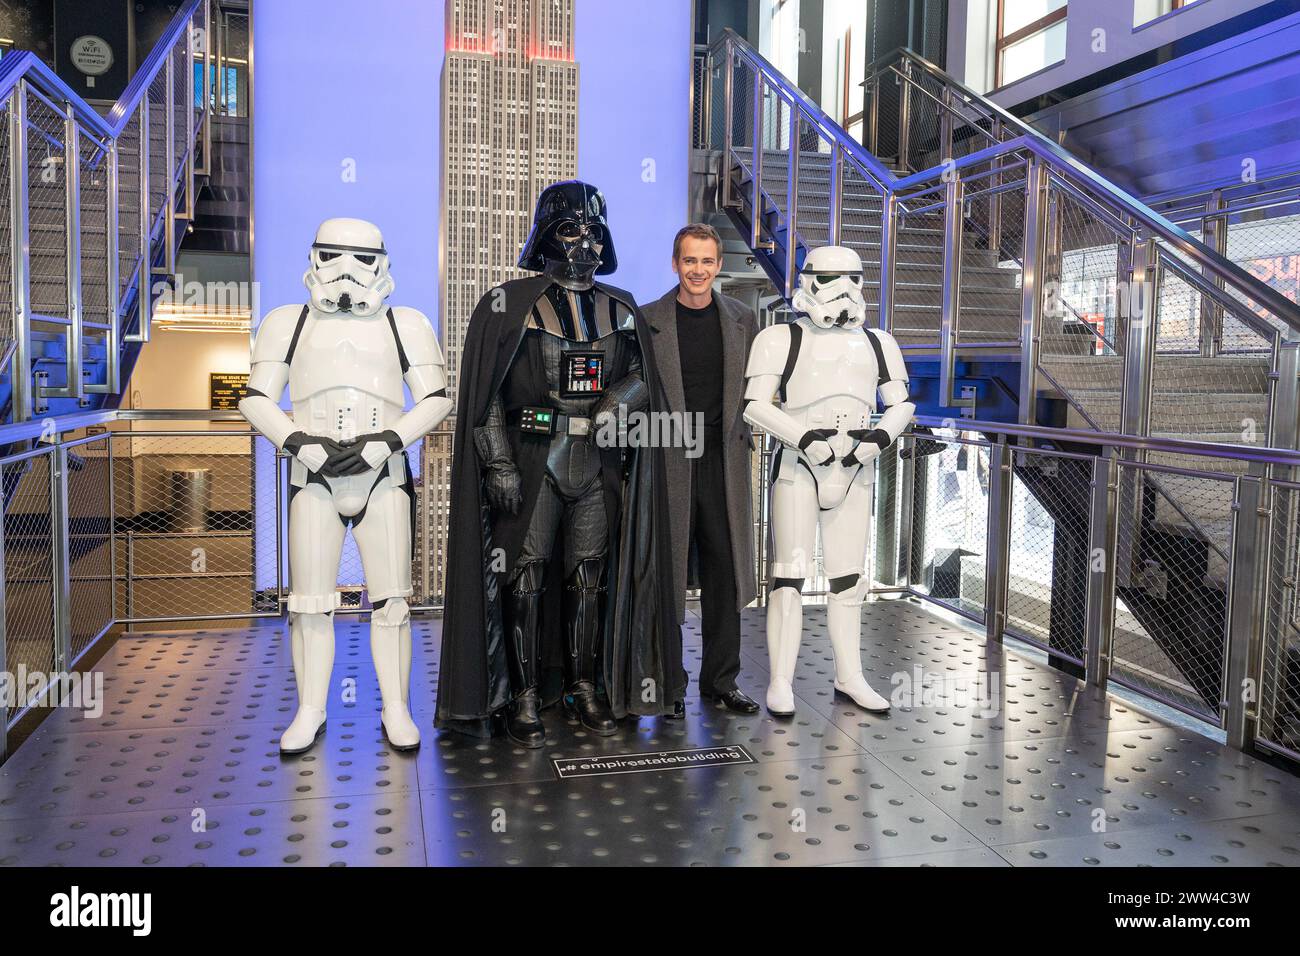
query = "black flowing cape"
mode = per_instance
[{"x": 642, "y": 652}]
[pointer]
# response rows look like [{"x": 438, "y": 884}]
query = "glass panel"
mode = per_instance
[
  {"x": 1020, "y": 13},
  {"x": 1033, "y": 53}
]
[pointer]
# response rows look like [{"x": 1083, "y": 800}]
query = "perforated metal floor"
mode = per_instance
[{"x": 182, "y": 768}]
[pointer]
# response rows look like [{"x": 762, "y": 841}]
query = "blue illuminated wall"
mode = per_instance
[{"x": 345, "y": 123}]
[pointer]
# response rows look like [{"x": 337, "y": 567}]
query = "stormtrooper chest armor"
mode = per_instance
[
  {"x": 345, "y": 378},
  {"x": 833, "y": 382}
]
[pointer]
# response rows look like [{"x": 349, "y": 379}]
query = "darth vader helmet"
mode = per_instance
[{"x": 570, "y": 240}]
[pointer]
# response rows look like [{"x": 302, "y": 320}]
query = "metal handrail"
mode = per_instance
[
  {"x": 29, "y": 66},
  {"x": 1060, "y": 161}
]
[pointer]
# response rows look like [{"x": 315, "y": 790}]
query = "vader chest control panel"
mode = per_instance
[{"x": 583, "y": 374}]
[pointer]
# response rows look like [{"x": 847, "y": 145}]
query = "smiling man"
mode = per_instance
[{"x": 701, "y": 341}]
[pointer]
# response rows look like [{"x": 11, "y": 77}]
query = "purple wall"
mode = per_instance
[{"x": 346, "y": 123}]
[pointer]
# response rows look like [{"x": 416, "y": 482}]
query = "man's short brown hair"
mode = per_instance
[{"x": 696, "y": 230}]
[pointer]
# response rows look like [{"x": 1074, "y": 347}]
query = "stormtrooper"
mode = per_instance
[
  {"x": 549, "y": 361},
  {"x": 344, "y": 357},
  {"x": 812, "y": 384}
]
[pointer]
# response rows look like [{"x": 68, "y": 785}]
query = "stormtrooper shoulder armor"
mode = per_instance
[
  {"x": 770, "y": 351},
  {"x": 416, "y": 335},
  {"x": 891, "y": 368},
  {"x": 276, "y": 334}
]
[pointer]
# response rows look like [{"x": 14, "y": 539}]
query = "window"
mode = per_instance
[
  {"x": 1031, "y": 37},
  {"x": 1144, "y": 11}
]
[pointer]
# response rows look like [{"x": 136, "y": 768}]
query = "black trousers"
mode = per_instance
[{"x": 712, "y": 537}]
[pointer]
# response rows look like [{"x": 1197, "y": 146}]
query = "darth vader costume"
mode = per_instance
[{"x": 557, "y": 554}]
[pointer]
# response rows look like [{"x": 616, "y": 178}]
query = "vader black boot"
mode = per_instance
[
  {"x": 523, "y": 723},
  {"x": 582, "y": 634}
]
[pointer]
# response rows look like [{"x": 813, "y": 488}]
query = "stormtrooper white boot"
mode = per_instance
[
  {"x": 390, "y": 648},
  {"x": 311, "y": 639},
  {"x": 784, "y": 631},
  {"x": 844, "y": 622}
]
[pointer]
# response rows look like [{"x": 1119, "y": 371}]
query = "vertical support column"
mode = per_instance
[
  {"x": 873, "y": 117},
  {"x": 729, "y": 104},
  {"x": 792, "y": 200},
  {"x": 1099, "y": 614},
  {"x": 144, "y": 275},
  {"x": 20, "y": 369},
  {"x": 169, "y": 172},
  {"x": 756, "y": 167},
  {"x": 189, "y": 120},
  {"x": 904, "y": 114},
  {"x": 60, "y": 577},
  {"x": 72, "y": 249},
  {"x": 207, "y": 87},
  {"x": 997, "y": 554},
  {"x": 1137, "y": 309},
  {"x": 950, "y": 315},
  {"x": 888, "y": 258},
  {"x": 835, "y": 212},
  {"x": 1214, "y": 233},
  {"x": 945, "y": 124},
  {"x": 1284, "y": 422},
  {"x": 995, "y": 198},
  {"x": 1247, "y": 591},
  {"x": 112, "y": 278},
  {"x": 1031, "y": 286}
]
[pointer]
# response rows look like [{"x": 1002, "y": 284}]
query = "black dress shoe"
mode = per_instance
[
  {"x": 734, "y": 700},
  {"x": 582, "y": 704},
  {"x": 523, "y": 724}
]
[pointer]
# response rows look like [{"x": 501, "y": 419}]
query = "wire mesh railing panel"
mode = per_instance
[
  {"x": 742, "y": 110},
  {"x": 1266, "y": 245},
  {"x": 1082, "y": 335},
  {"x": 1279, "y": 690},
  {"x": 860, "y": 222},
  {"x": 918, "y": 272},
  {"x": 717, "y": 112},
  {"x": 1050, "y": 559},
  {"x": 992, "y": 259},
  {"x": 1214, "y": 398},
  {"x": 94, "y": 231},
  {"x": 776, "y": 150},
  {"x": 950, "y": 501},
  {"x": 47, "y": 220},
  {"x": 179, "y": 107},
  {"x": 192, "y": 537},
  {"x": 923, "y": 122},
  {"x": 28, "y": 567},
  {"x": 1171, "y": 610},
  {"x": 157, "y": 134},
  {"x": 7, "y": 336},
  {"x": 90, "y": 558},
  {"x": 128, "y": 203}
]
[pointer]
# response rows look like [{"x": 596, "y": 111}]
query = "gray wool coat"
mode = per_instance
[{"x": 739, "y": 326}]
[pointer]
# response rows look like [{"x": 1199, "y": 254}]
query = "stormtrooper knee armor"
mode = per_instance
[
  {"x": 344, "y": 357},
  {"x": 812, "y": 384}
]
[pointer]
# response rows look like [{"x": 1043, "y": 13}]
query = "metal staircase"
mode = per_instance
[
  {"x": 1025, "y": 288},
  {"x": 92, "y": 209}
]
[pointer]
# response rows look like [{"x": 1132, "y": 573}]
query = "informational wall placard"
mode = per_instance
[{"x": 225, "y": 389}]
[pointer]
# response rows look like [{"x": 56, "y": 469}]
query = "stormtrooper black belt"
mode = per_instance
[{"x": 544, "y": 420}]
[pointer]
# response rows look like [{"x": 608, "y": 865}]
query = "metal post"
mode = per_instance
[
  {"x": 60, "y": 577},
  {"x": 1032, "y": 287},
  {"x": 20, "y": 369},
  {"x": 997, "y": 553},
  {"x": 1214, "y": 233},
  {"x": 1099, "y": 615},
  {"x": 169, "y": 175},
  {"x": 757, "y": 206},
  {"x": 792, "y": 200},
  {"x": 112, "y": 520},
  {"x": 835, "y": 210},
  {"x": 144, "y": 275},
  {"x": 1247, "y": 592},
  {"x": 995, "y": 198},
  {"x": 207, "y": 87},
  {"x": 728, "y": 101},
  {"x": 945, "y": 124},
  {"x": 873, "y": 118},
  {"x": 1137, "y": 308},
  {"x": 904, "y": 114},
  {"x": 72, "y": 250},
  {"x": 888, "y": 258},
  {"x": 189, "y": 120},
  {"x": 950, "y": 316},
  {"x": 112, "y": 279},
  {"x": 1284, "y": 422},
  {"x": 4, "y": 634}
]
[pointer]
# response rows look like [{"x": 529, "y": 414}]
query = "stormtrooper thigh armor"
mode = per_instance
[
  {"x": 812, "y": 384},
  {"x": 344, "y": 359}
]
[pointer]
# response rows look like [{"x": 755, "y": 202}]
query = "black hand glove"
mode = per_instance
[
  {"x": 814, "y": 435},
  {"x": 297, "y": 441},
  {"x": 348, "y": 460},
  {"x": 877, "y": 436},
  {"x": 504, "y": 488}
]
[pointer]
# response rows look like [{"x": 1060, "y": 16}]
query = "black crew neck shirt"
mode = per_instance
[{"x": 699, "y": 347}]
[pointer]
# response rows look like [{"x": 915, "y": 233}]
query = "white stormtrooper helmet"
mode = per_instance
[
  {"x": 349, "y": 268},
  {"x": 830, "y": 289}
]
